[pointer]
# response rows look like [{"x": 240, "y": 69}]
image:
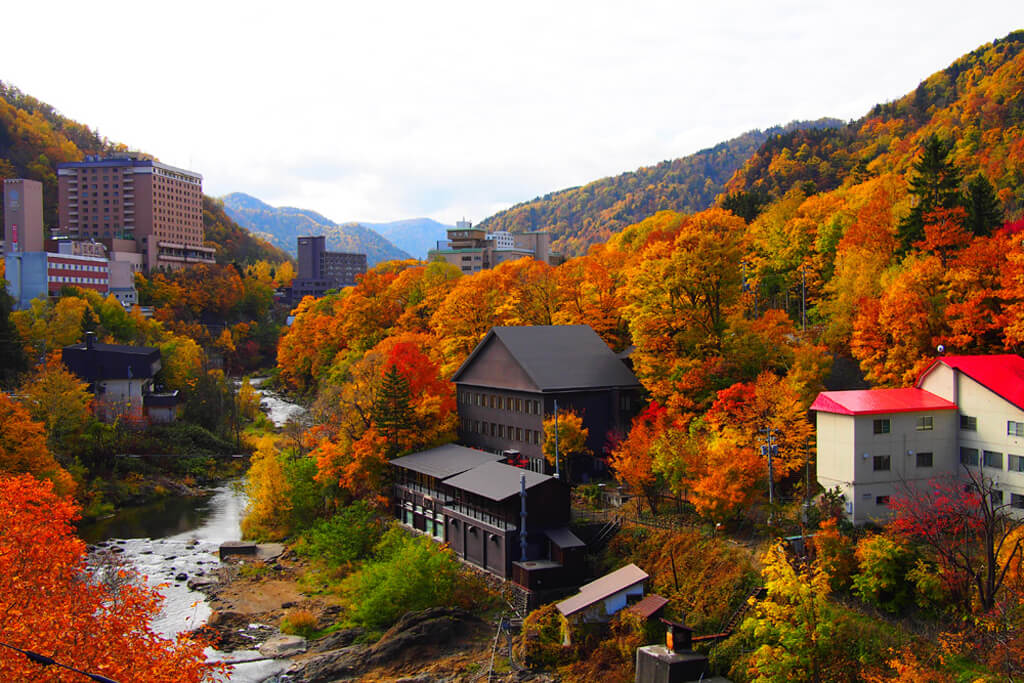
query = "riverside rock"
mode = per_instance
[{"x": 283, "y": 646}]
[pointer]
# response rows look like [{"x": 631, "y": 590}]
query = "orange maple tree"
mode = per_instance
[{"x": 49, "y": 606}]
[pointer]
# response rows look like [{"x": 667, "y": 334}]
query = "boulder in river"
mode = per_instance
[{"x": 283, "y": 646}]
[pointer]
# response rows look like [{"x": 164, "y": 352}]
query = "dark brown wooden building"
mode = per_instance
[
  {"x": 514, "y": 377},
  {"x": 471, "y": 500}
]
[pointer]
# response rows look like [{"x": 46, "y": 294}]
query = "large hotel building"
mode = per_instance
[{"x": 135, "y": 204}]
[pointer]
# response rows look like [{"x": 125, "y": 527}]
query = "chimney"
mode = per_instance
[{"x": 90, "y": 340}]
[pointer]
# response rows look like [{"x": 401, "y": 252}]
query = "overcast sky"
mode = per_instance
[{"x": 382, "y": 110}]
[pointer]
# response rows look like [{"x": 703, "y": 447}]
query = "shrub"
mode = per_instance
[
  {"x": 299, "y": 622},
  {"x": 540, "y": 642},
  {"x": 883, "y": 564},
  {"x": 347, "y": 537},
  {"x": 408, "y": 574}
]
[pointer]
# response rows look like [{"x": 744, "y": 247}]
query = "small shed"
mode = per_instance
[{"x": 603, "y": 597}]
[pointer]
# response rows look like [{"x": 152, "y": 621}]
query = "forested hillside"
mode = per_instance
[
  {"x": 35, "y": 138},
  {"x": 282, "y": 226},
  {"x": 581, "y": 216}
]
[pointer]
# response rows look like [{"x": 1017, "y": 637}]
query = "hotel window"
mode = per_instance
[
  {"x": 1015, "y": 428},
  {"x": 1014, "y": 463},
  {"x": 924, "y": 423},
  {"x": 881, "y": 426},
  {"x": 969, "y": 457},
  {"x": 882, "y": 463},
  {"x": 501, "y": 431},
  {"x": 1017, "y": 501},
  {"x": 969, "y": 423},
  {"x": 992, "y": 459},
  {"x": 924, "y": 459},
  {"x": 519, "y": 405},
  {"x": 881, "y": 500},
  {"x": 536, "y": 438},
  {"x": 519, "y": 433}
]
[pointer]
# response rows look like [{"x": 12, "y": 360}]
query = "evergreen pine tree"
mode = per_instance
[
  {"x": 12, "y": 353},
  {"x": 984, "y": 211},
  {"x": 936, "y": 185},
  {"x": 392, "y": 413}
]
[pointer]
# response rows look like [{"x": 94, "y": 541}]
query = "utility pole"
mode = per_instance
[
  {"x": 803, "y": 298},
  {"x": 770, "y": 451},
  {"x": 558, "y": 474}
]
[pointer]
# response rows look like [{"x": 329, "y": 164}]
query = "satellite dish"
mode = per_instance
[{"x": 941, "y": 348}]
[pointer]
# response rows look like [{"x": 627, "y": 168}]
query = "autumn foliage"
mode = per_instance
[{"x": 49, "y": 606}]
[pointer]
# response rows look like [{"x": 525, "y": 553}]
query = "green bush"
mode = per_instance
[
  {"x": 883, "y": 565},
  {"x": 408, "y": 574},
  {"x": 347, "y": 537}
]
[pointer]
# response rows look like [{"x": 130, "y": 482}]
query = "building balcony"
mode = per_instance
[
  {"x": 480, "y": 516},
  {"x": 427, "y": 491}
]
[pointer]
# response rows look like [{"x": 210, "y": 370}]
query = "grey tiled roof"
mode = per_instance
[
  {"x": 560, "y": 357},
  {"x": 496, "y": 481},
  {"x": 445, "y": 461}
]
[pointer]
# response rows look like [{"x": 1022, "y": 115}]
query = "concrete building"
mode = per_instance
[
  {"x": 23, "y": 216},
  {"x": 472, "y": 249},
  {"x": 321, "y": 270},
  {"x": 33, "y": 275},
  {"x": 512, "y": 380},
  {"x": 962, "y": 412},
  {"x": 123, "y": 197}
]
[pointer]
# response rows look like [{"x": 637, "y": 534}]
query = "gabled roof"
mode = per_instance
[
  {"x": 495, "y": 480},
  {"x": 445, "y": 461},
  {"x": 602, "y": 588},
  {"x": 1002, "y": 374},
  {"x": 559, "y": 357},
  {"x": 649, "y": 606},
  {"x": 879, "y": 401}
]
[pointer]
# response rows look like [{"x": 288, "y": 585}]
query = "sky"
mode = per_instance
[{"x": 384, "y": 110}]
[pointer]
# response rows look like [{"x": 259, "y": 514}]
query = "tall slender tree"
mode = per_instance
[
  {"x": 392, "y": 412},
  {"x": 984, "y": 212},
  {"x": 935, "y": 185}
]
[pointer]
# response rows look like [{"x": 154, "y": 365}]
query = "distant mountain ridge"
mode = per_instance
[
  {"x": 282, "y": 226},
  {"x": 581, "y": 216}
]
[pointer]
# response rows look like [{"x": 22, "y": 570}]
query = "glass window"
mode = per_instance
[
  {"x": 519, "y": 433},
  {"x": 519, "y": 405},
  {"x": 924, "y": 459},
  {"x": 1017, "y": 501},
  {"x": 882, "y": 463},
  {"x": 1015, "y": 428},
  {"x": 501, "y": 431},
  {"x": 993, "y": 460},
  {"x": 924, "y": 423},
  {"x": 969, "y": 457},
  {"x": 881, "y": 500},
  {"x": 882, "y": 426},
  {"x": 969, "y": 423},
  {"x": 996, "y": 497},
  {"x": 1015, "y": 463}
]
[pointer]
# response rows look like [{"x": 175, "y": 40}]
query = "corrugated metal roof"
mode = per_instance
[
  {"x": 602, "y": 588},
  {"x": 445, "y": 461},
  {"x": 649, "y": 606},
  {"x": 559, "y": 357},
  {"x": 1001, "y": 374},
  {"x": 879, "y": 401},
  {"x": 564, "y": 538},
  {"x": 495, "y": 480}
]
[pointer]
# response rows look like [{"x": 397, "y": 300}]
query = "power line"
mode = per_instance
[{"x": 43, "y": 660}]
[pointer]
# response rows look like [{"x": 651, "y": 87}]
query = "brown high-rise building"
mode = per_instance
[
  {"x": 23, "y": 216},
  {"x": 122, "y": 197}
]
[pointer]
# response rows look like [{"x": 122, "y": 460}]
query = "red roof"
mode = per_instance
[
  {"x": 649, "y": 606},
  {"x": 879, "y": 401},
  {"x": 1003, "y": 375}
]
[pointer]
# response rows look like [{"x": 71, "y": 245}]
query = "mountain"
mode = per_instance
[
  {"x": 581, "y": 216},
  {"x": 414, "y": 235},
  {"x": 282, "y": 226},
  {"x": 35, "y": 138}
]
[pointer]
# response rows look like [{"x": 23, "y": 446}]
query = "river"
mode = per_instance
[{"x": 181, "y": 536}]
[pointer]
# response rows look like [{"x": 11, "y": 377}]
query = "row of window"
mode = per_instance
[
  {"x": 499, "y": 402},
  {"x": 77, "y": 280},
  {"x": 500, "y": 431},
  {"x": 1016, "y": 499},
  {"x": 993, "y": 459},
  {"x": 968, "y": 423},
  {"x": 78, "y": 266},
  {"x": 883, "y": 463}
]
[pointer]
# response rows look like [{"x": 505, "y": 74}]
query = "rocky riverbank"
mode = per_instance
[{"x": 251, "y": 594}]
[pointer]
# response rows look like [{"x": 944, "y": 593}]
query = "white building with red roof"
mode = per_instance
[{"x": 963, "y": 411}]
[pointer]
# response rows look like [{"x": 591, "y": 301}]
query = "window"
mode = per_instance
[
  {"x": 519, "y": 405},
  {"x": 501, "y": 431},
  {"x": 924, "y": 459},
  {"x": 1017, "y": 501},
  {"x": 491, "y": 401},
  {"x": 996, "y": 496},
  {"x": 882, "y": 463},
  {"x": 993, "y": 460},
  {"x": 924, "y": 423},
  {"x": 1015, "y": 428},
  {"x": 501, "y": 403},
  {"x": 882, "y": 426},
  {"x": 969, "y": 423},
  {"x": 881, "y": 500},
  {"x": 1015, "y": 463},
  {"x": 519, "y": 433},
  {"x": 969, "y": 457}
]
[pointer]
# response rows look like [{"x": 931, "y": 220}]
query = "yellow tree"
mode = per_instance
[
  {"x": 58, "y": 399},
  {"x": 572, "y": 440}
]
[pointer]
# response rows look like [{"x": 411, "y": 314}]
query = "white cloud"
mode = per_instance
[{"x": 386, "y": 110}]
